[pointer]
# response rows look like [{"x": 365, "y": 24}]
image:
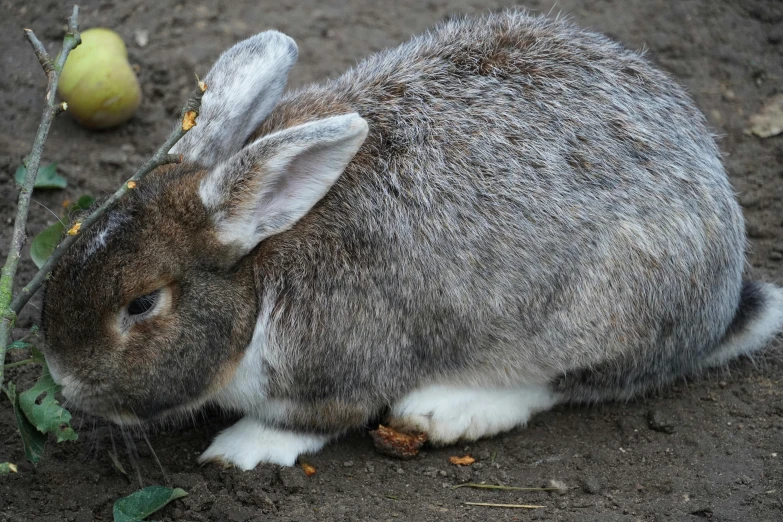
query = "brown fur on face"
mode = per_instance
[{"x": 148, "y": 241}]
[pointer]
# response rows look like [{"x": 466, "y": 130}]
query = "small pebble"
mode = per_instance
[
  {"x": 657, "y": 422},
  {"x": 559, "y": 484},
  {"x": 115, "y": 158},
  {"x": 141, "y": 37},
  {"x": 591, "y": 485}
]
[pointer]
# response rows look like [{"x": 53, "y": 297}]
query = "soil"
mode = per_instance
[{"x": 711, "y": 449}]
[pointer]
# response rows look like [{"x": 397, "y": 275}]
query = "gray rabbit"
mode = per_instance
[{"x": 503, "y": 214}]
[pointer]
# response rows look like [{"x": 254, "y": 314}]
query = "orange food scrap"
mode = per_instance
[
  {"x": 67, "y": 203},
  {"x": 202, "y": 86},
  {"x": 131, "y": 184},
  {"x": 189, "y": 120},
  {"x": 308, "y": 469},
  {"x": 395, "y": 444},
  {"x": 467, "y": 460}
]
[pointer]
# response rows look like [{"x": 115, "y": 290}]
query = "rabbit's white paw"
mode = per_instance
[
  {"x": 450, "y": 413},
  {"x": 250, "y": 442}
]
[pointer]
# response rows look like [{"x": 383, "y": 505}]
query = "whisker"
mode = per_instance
[
  {"x": 50, "y": 211},
  {"x": 131, "y": 454},
  {"x": 155, "y": 456}
]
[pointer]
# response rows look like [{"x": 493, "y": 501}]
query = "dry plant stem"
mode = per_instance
[
  {"x": 161, "y": 157},
  {"x": 507, "y": 506},
  {"x": 51, "y": 109},
  {"x": 509, "y": 488}
]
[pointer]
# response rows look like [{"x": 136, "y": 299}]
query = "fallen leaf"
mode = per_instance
[
  {"x": 33, "y": 441},
  {"x": 395, "y": 444},
  {"x": 141, "y": 504},
  {"x": 44, "y": 243},
  {"x": 47, "y": 177},
  {"x": 467, "y": 460},
  {"x": 308, "y": 469},
  {"x": 8, "y": 467},
  {"x": 768, "y": 121}
]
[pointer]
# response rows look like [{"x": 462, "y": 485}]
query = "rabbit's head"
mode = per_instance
[{"x": 150, "y": 312}]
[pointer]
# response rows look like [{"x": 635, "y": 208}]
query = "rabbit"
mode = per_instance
[{"x": 501, "y": 215}]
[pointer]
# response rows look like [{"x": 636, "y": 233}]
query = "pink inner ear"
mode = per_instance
[{"x": 297, "y": 167}]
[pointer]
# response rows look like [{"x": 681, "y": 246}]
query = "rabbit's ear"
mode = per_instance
[
  {"x": 243, "y": 87},
  {"x": 267, "y": 187}
]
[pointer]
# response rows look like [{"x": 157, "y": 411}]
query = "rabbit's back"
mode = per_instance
[{"x": 532, "y": 199}]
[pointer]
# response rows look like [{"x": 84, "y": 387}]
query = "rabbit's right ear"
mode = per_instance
[
  {"x": 243, "y": 87},
  {"x": 271, "y": 184}
]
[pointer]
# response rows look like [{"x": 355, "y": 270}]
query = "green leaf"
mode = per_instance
[
  {"x": 19, "y": 345},
  {"x": 47, "y": 177},
  {"x": 44, "y": 243},
  {"x": 37, "y": 355},
  {"x": 141, "y": 504},
  {"x": 43, "y": 411},
  {"x": 84, "y": 202},
  {"x": 33, "y": 441}
]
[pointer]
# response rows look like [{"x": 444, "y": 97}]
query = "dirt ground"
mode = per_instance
[{"x": 711, "y": 449}]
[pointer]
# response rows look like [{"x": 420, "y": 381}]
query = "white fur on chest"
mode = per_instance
[{"x": 247, "y": 390}]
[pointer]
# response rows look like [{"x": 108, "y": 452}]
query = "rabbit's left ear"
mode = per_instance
[
  {"x": 272, "y": 183},
  {"x": 243, "y": 87}
]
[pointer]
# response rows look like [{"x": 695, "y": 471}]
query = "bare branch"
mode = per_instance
[
  {"x": 161, "y": 157},
  {"x": 8, "y": 273},
  {"x": 40, "y": 52}
]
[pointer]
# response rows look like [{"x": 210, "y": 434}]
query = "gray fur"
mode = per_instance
[
  {"x": 533, "y": 203},
  {"x": 242, "y": 88}
]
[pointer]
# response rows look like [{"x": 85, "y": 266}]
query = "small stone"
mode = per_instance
[
  {"x": 749, "y": 200},
  {"x": 757, "y": 232},
  {"x": 657, "y": 422},
  {"x": 348, "y": 464},
  {"x": 369, "y": 468},
  {"x": 292, "y": 479},
  {"x": 115, "y": 158},
  {"x": 560, "y": 485},
  {"x": 591, "y": 485},
  {"x": 430, "y": 472},
  {"x": 141, "y": 37}
]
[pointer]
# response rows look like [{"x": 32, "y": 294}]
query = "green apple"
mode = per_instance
[{"x": 98, "y": 83}]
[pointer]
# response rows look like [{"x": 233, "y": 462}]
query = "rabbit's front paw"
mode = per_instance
[
  {"x": 450, "y": 413},
  {"x": 250, "y": 442}
]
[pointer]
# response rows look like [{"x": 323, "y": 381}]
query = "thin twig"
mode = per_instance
[
  {"x": 70, "y": 41},
  {"x": 511, "y": 506},
  {"x": 40, "y": 52},
  {"x": 161, "y": 157}
]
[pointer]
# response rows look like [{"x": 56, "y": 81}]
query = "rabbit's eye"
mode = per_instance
[{"x": 143, "y": 304}]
